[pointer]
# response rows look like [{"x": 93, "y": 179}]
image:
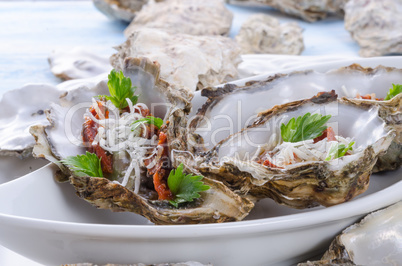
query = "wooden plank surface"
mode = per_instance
[{"x": 32, "y": 29}]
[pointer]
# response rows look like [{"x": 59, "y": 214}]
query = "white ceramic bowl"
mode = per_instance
[{"x": 46, "y": 222}]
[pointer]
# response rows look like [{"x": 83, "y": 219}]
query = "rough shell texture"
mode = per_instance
[
  {"x": 77, "y": 63},
  {"x": 262, "y": 33},
  {"x": 190, "y": 62},
  {"x": 308, "y": 183},
  {"x": 124, "y": 10},
  {"x": 373, "y": 241},
  {"x": 193, "y": 17},
  {"x": 375, "y": 25},
  {"x": 218, "y": 204},
  {"x": 20, "y": 109},
  {"x": 309, "y": 10}
]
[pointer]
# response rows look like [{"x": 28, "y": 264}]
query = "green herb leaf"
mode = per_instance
[
  {"x": 304, "y": 127},
  {"x": 120, "y": 89},
  {"x": 395, "y": 90},
  {"x": 156, "y": 121},
  {"x": 338, "y": 150},
  {"x": 84, "y": 165},
  {"x": 184, "y": 187}
]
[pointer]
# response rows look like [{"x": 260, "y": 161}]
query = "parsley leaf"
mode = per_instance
[
  {"x": 338, "y": 150},
  {"x": 156, "y": 121},
  {"x": 120, "y": 89},
  {"x": 184, "y": 187},
  {"x": 304, "y": 127},
  {"x": 395, "y": 90},
  {"x": 84, "y": 165}
]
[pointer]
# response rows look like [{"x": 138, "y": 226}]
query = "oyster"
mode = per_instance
[
  {"x": 208, "y": 17},
  {"x": 301, "y": 174},
  {"x": 124, "y": 10},
  {"x": 262, "y": 33},
  {"x": 309, "y": 10},
  {"x": 215, "y": 120},
  {"x": 375, "y": 25},
  {"x": 127, "y": 187},
  {"x": 373, "y": 241},
  {"x": 191, "y": 62},
  {"x": 77, "y": 63},
  {"x": 20, "y": 109}
]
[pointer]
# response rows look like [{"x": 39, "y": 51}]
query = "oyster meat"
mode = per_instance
[
  {"x": 373, "y": 241},
  {"x": 262, "y": 33},
  {"x": 215, "y": 120},
  {"x": 77, "y": 63},
  {"x": 375, "y": 25},
  {"x": 130, "y": 155},
  {"x": 190, "y": 62},
  {"x": 193, "y": 17},
  {"x": 259, "y": 161},
  {"x": 309, "y": 10}
]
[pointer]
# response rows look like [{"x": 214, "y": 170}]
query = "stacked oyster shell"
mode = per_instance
[
  {"x": 193, "y": 17},
  {"x": 189, "y": 62}
]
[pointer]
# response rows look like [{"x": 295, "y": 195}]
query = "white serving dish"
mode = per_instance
[{"x": 45, "y": 221}]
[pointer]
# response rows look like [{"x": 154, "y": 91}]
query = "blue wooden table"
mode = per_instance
[{"x": 31, "y": 30}]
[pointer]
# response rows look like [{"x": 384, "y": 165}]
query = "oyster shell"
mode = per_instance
[
  {"x": 215, "y": 121},
  {"x": 374, "y": 240},
  {"x": 20, "y": 109},
  {"x": 262, "y": 33},
  {"x": 310, "y": 182},
  {"x": 124, "y": 10},
  {"x": 193, "y": 17},
  {"x": 218, "y": 204},
  {"x": 375, "y": 25},
  {"x": 309, "y": 10},
  {"x": 77, "y": 63},
  {"x": 190, "y": 62}
]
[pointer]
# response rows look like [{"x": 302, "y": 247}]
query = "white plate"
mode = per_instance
[{"x": 46, "y": 222}]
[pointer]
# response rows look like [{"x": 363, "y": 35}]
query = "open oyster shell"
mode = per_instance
[
  {"x": 191, "y": 62},
  {"x": 20, "y": 109},
  {"x": 218, "y": 204},
  {"x": 372, "y": 241},
  {"x": 193, "y": 17},
  {"x": 215, "y": 120},
  {"x": 77, "y": 63},
  {"x": 307, "y": 183}
]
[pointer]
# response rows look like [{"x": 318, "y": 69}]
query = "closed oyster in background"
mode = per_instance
[
  {"x": 375, "y": 25},
  {"x": 193, "y": 17},
  {"x": 309, "y": 10},
  {"x": 264, "y": 34},
  {"x": 124, "y": 10},
  {"x": 187, "y": 61}
]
